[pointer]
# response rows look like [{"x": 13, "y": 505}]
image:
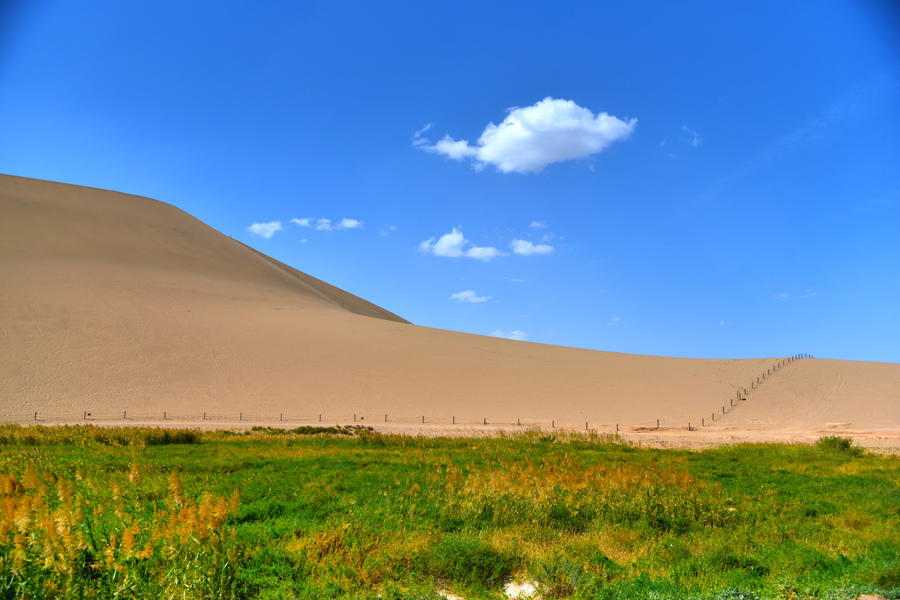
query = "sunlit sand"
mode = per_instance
[{"x": 129, "y": 309}]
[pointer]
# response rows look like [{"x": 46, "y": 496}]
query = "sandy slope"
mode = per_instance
[{"x": 111, "y": 303}]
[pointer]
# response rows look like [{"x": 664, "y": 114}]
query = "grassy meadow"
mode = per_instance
[{"x": 348, "y": 513}]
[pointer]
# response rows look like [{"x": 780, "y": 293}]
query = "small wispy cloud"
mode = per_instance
[
  {"x": 469, "y": 296},
  {"x": 388, "y": 229},
  {"x": 693, "y": 138},
  {"x": 417, "y": 138},
  {"x": 328, "y": 224},
  {"x": 614, "y": 321},
  {"x": 265, "y": 230},
  {"x": 833, "y": 121},
  {"x": 526, "y": 248},
  {"x": 531, "y": 138},
  {"x": 538, "y": 225},
  {"x": 454, "y": 245},
  {"x": 512, "y": 335},
  {"x": 789, "y": 296}
]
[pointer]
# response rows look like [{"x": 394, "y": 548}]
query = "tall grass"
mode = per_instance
[
  {"x": 86, "y": 435},
  {"x": 565, "y": 494},
  {"x": 106, "y": 537},
  {"x": 90, "y": 513}
]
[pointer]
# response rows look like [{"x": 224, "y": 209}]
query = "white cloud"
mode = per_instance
[
  {"x": 388, "y": 229},
  {"x": 614, "y": 321},
  {"x": 350, "y": 224},
  {"x": 265, "y": 230},
  {"x": 301, "y": 222},
  {"x": 329, "y": 225},
  {"x": 693, "y": 137},
  {"x": 526, "y": 248},
  {"x": 512, "y": 335},
  {"x": 538, "y": 225},
  {"x": 457, "y": 150},
  {"x": 452, "y": 245},
  {"x": 469, "y": 296},
  {"x": 533, "y": 137}
]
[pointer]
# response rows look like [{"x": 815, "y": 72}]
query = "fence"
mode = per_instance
[
  {"x": 753, "y": 385},
  {"x": 324, "y": 419},
  {"x": 380, "y": 419}
]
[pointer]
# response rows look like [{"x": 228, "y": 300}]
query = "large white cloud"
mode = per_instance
[
  {"x": 533, "y": 137},
  {"x": 453, "y": 245},
  {"x": 265, "y": 230},
  {"x": 526, "y": 248}
]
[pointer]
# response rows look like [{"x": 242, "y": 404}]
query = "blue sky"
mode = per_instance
[{"x": 704, "y": 179}]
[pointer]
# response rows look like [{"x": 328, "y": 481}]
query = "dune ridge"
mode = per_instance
[{"x": 112, "y": 302}]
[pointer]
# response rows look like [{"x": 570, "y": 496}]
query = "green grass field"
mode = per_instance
[{"x": 349, "y": 513}]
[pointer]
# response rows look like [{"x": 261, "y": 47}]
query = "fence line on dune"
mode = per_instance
[
  {"x": 386, "y": 418},
  {"x": 325, "y": 420},
  {"x": 754, "y": 385}
]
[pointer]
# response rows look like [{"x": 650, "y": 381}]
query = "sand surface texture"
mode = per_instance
[{"x": 123, "y": 306}]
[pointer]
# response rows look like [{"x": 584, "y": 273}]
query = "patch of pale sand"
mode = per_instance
[
  {"x": 524, "y": 589},
  {"x": 121, "y": 305}
]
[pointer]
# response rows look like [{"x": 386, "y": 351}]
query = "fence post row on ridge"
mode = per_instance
[{"x": 88, "y": 416}]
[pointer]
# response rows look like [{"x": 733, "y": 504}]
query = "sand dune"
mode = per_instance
[{"x": 111, "y": 302}]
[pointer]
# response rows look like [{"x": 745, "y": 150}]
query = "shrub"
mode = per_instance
[
  {"x": 470, "y": 561},
  {"x": 560, "y": 578},
  {"x": 837, "y": 445}
]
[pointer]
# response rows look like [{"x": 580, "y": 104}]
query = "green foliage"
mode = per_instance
[
  {"x": 470, "y": 561},
  {"x": 98, "y": 536},
  {"x": 837, "y": 445},
  {"x": 327, "y": 514},
  {"x": 313, "y": 430},
  {"x": 560, "y": 578},
  {"x": 88, "y": 435}
]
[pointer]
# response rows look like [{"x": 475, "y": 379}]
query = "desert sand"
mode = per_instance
[{"x": 129, "y": 309}]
